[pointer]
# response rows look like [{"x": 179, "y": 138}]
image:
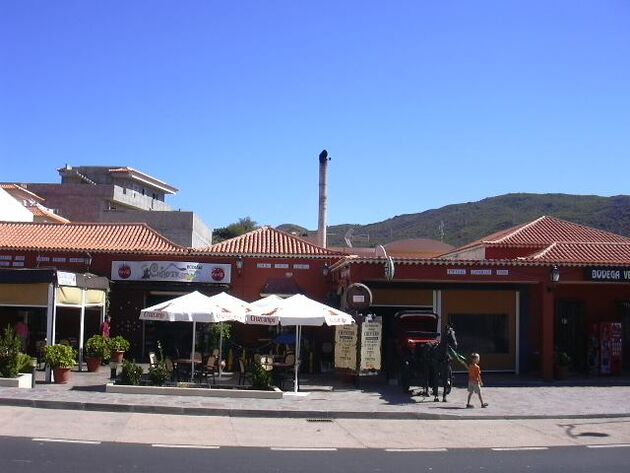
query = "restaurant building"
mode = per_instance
[{"x": 518, "y": 297}]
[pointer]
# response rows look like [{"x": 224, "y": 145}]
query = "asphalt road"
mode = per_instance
[{"x": 27, "y": 455}]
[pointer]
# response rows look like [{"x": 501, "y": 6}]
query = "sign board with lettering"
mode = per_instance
[
  {"x": 174, "y": 271},
  {"x": 608, "y": 274},
  {"x": 371, "y": 337},
  {"x": 346, "y": 347}
]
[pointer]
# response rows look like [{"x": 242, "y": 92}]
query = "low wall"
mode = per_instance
[
  {"x": 204, "y": 392},
  {"x": 24, "y": 380}
]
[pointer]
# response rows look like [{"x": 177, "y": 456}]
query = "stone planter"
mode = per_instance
[
  {"x": 24, "y": 380},
  {"x": 204, "y": 392},
  {"x": 62, "y": 375},
  {"x": 93, "y": 364}
]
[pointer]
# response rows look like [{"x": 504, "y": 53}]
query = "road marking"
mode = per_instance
[
  {"x": 177, "y": 445},
  {"x": 304, "y": 449},
  {"x": 85, "y": 442},
  {"x": 396, "y": 450},
  {"x": 517, "y": 449},
  {"x": 610, "y": 445}
]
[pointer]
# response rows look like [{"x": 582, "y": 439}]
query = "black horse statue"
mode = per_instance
[{"x": 440, "y": 369}]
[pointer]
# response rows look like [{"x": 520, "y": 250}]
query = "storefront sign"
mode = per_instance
[
  {"x": 608, "y": 274},
  {"x": 455, "y": 272},
  {"x": 174, "y": 271},
  {"x": 66, "y": 279},
  {"x": 371, "y": 336},
  {"x": 346, "y": 347}
]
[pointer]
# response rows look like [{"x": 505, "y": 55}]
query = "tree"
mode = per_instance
[{"x": 241, "y": 227}]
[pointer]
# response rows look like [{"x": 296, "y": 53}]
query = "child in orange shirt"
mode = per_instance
[{"x": 474, "y": 380}]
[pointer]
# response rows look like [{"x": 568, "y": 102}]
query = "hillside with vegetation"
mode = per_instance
[{"x": 462, "y": 223}]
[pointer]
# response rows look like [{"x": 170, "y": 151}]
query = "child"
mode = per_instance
[{"x": 474, "y": 379}]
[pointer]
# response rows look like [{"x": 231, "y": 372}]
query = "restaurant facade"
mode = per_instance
[{"x": 518, "y": 297}]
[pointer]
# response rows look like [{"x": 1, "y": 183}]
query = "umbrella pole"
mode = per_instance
[
  {"x": 297, "y": 356},
  {"x": 220, "y": 348},
  {"x": 192, "y": 353}
]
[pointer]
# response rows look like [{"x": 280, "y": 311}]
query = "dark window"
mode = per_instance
[{"x": 481, "y": 333}]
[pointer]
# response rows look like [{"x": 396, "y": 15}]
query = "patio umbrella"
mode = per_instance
[
  {"x": 299, "y": 310},
  {"x": 237, "y": 307},
  {"x": 194, "y": 307}
]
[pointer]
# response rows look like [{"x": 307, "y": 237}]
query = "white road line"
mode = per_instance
[
  {"x": 303, "y": 449},
  {"x": 610, "y": 445},
  {"x": 517, "y": 449},
  {"x": 85, "y": 442},
  {"x": 397, "y": 450},
  {"x": 176, "y": 445}
]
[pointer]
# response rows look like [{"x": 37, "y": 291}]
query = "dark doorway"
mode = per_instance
[
  {"x": 625, "y": 322},
  {"x": 570, "y": 332}
]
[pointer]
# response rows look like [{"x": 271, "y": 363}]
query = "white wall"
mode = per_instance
[{"x": 13, "y": 211}]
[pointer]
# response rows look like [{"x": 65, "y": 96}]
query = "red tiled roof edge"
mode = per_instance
[
  {"x": 68, "y": 242},
  {"x": 267, "y": 241}
]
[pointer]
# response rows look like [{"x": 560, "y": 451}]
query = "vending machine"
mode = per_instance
[{"x": 611, "y": 349}]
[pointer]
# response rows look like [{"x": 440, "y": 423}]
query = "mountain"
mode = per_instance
[{"x": 462, "y": 223}]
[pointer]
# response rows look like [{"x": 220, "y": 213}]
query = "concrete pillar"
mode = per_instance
[{"x": 547, "y": 329}]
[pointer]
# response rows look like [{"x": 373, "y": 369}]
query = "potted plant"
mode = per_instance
[
  {"x": 131, "y": 373},
  {"x": 60, "y": 358},
  {"x": 562, "y": 365},
  {"x": 96, "y": 349},
  {"x": 118, "y": 346},
  {"x": 10, "y": 346}
]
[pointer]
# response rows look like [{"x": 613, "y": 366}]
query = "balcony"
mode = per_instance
[{"x": 131, "y": 198}]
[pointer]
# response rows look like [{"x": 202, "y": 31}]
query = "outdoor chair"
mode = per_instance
[
  {"x": 243, "y": 375},
  {"x": 209, "y": 369}
]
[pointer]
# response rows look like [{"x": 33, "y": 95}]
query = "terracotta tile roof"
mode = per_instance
[
  {"x": 584, "y": 253},
  {"x": 42, "y": 214},
  {"x": 267, "y": 241},
  {"x": 542, "y": 232},
  {"x": 19, "y": 192},
  {"x": 96, "y": 237}
]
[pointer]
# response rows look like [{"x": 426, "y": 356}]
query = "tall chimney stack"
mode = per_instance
[{"x": 323, "y": 198}]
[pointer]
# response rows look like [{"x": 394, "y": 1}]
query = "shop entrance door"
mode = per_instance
[
  {"x": 625, "y": 322},
  {"x": 570, "y": 332}
]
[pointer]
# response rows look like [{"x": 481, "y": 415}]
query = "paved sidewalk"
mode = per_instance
[{"x": 509, "y": 398}]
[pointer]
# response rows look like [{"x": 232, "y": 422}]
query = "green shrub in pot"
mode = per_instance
[{"x": 60, "y": 356}]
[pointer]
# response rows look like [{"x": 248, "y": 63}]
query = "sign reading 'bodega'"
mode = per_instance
[{"x": 608, "y": 274}]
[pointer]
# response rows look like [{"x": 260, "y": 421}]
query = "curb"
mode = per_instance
[{"x": 290, "y": 414}]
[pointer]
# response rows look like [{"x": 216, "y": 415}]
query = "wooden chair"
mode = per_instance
[{"x": 209, "y": 369}]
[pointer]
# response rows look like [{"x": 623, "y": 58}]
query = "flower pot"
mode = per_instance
[
  {"x": 117, "y": 356},
  {"x": 62, "y": 375},
  {"x": 93, "y": 364}
]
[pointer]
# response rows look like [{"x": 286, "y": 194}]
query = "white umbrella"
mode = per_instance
[
  {"x": 298, "y": 310},
  {"x": 237, "y": 307},
  {"x": 195, "y": 307}
]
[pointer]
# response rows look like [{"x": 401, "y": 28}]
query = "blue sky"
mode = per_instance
[{"x": 420, "y": 104}]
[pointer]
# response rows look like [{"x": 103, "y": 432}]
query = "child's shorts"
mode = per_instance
[{"x": 474, "y": 387}]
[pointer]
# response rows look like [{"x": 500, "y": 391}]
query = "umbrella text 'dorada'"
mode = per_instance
[
  {"x": 296, "y": 310},
  {"x": 196, "y": 307}
]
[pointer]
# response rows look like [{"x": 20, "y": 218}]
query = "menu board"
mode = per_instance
[
  {"x": 371, "y": 337},
  {"x": 346, "y": 347}
]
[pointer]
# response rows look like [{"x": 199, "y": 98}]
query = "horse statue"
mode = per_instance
[{"x": 440, "y": 369}]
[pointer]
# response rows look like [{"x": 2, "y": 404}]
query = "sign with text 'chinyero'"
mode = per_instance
[
  {"x": 173, "y": 271},
  {"x": 609, "y": 274}
]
